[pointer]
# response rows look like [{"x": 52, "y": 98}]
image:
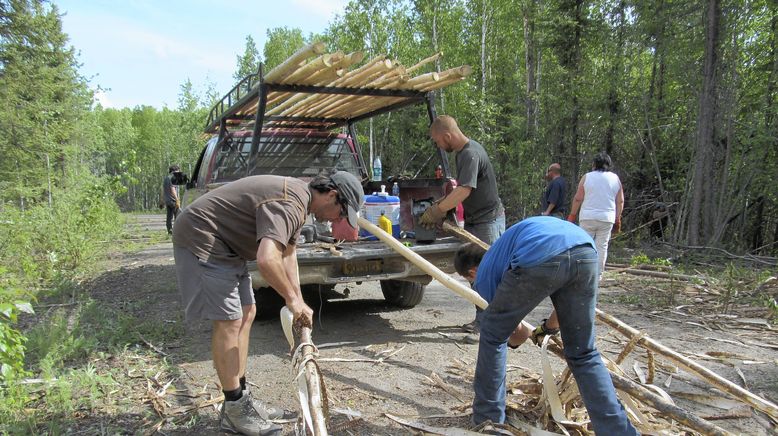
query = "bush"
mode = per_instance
[
  {"x": 41, "y": 246},
  {"x": 11, "y": 340}
]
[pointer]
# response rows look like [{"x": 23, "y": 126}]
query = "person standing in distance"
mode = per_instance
[
  {"x": 254, "y": 218},
  {"x": 476, "y": 188},
  {"x": 600, "y": 200},
  {"x": 170, "y": 197},
  {"x": 554, "y": 201}
]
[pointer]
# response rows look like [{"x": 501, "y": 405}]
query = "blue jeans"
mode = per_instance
[
  {"x": 570, "y": 279},
  {"x": 487, "y": 232}
]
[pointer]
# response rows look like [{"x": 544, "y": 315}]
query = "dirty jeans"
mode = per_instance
[
  {"x": 487, "y": 232},
  {"x": 570, "y": 279}
]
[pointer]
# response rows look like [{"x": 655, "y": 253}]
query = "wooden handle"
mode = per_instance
[
  {"x": 423, "y": 264},
  {"x": 464, "y": 234}
]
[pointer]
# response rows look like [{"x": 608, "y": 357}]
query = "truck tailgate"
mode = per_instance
[{"x": 365, "y": 261}]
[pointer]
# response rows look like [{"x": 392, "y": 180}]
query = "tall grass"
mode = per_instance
[{"x": 45, "y": 246}]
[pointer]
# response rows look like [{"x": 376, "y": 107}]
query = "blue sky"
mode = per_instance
[{"x": 142, "y": 51}]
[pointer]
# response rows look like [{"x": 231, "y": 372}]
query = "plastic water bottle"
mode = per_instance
[
  {"x": 377, "y": 169},
  {"x": 396, "y": 189}
]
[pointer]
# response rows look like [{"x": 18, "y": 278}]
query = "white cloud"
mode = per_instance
[
  {"x": 166, "y": 48},
  {"x": 324, "y": 8},
  {"x": 102, "y": 98}
]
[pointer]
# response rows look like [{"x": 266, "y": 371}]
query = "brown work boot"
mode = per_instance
[{"x": 240, "y": 417}]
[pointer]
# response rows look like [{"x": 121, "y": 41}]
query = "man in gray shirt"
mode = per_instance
[
  {"x": 170, "y": 196},
  {"x": 476, "y": 189}
]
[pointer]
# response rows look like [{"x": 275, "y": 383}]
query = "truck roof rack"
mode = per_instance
[{"x": 317, "y": 90}]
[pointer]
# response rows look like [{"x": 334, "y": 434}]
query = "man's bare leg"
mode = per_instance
[
  {"x": 249, "y": 312},
  {"x": 225, "y": 349}
]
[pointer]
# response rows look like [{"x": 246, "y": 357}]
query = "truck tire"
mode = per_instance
[
  {"x": 269, "y": 303},
  {"x": 400, "y": 293}
]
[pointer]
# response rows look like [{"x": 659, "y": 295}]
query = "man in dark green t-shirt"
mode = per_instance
[{"x": 476, "y": 189}]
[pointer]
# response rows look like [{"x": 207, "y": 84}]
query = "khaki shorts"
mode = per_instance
[{"x": 211, "y": 291}]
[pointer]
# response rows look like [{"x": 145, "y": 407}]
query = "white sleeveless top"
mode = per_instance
[{"x": 600, "y": 190}]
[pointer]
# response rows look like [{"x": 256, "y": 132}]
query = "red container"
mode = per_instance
[{"x": 341, "y": 231}]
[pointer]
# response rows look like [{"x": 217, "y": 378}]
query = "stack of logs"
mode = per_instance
[{"x": 312, "y": 66}]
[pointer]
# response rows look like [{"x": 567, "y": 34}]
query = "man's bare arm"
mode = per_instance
[
  {"x": 458, "y": 195},
  {"x": 274, "y": 269}
]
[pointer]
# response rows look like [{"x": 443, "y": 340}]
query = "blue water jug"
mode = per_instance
[{"x": 375, "y": 205}]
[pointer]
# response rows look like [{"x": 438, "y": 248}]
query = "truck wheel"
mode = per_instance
[
  {"x": 269, "y": 303},
  {"x": 401, "y": 293}
]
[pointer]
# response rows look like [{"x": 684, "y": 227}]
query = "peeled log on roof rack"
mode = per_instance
[
  {"x": 422, "y": 79},
  {"x": 301, "y": 75},
  {"x": 277, "y": 74},
  {"x": 373, "y": 66},
  {"x": 329, "y": 101},
  {"x": 388, "y": 80},
  {"x": 423, "y": 62}
]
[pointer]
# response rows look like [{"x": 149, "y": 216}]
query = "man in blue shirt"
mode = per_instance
[
  {"x": 554, "y": 198},
  {"x": 537, "y": 258}
]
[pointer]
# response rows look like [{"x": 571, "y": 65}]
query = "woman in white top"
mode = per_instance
[{"x": 600, "y": 198}]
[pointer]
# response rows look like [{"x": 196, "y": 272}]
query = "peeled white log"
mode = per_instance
[
  {"x": 277, "y": 74},
  {"x": 423, "y": 264},
  {"x": 423, "y": 62}
]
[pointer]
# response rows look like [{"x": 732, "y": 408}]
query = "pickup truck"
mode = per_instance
[{"x": 302, "y": 147}]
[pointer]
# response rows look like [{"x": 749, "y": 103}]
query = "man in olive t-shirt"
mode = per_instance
[
  {"x": 476, "y": 190},
  {"x": 254, "y": 218}
]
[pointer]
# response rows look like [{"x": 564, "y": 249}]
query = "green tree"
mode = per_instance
[
  {"x": 248, "y": 62},
  {"x": 44, "y": 98},
  {"x": 281, "y": 43}
]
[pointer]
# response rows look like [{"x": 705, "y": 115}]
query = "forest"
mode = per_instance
[{"x": 681, "y": 94}]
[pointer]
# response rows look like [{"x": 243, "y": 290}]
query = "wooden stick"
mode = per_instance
[
  {"x": 369, "y": 79},
  {"x": 655, "y": 401},
  {"x": 716, "y": 380},
  {"x": 423, "y": 62},
  {"x": 312, "y": 377},
  {"x": 301, "y": 74},
  {"x": 387, "y": 81},
  {"x": 374, "y": 66},
  {"x": 672, "y": 411},
  {"x": 458, "y": 288},
  {"x": 440, "y": 84},
  {"x": 422, "y": 80},
  {"x": 277, "y": 74},
  {"x": 464, "y": 235}
]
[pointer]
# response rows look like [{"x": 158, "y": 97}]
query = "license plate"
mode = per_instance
[{"x": 363, "y": 267}]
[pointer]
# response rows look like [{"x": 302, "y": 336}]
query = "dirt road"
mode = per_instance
[{"x": 420, "y": 341}]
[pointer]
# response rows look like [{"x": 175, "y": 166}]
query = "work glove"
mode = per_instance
[
  {"x": 178, "y": 204},
  {"x": 616, "y": 227},
  {"x": 572, "y": 218},
  {"x": 541, "y": 332},
  {"x": 432, "y": 217}
]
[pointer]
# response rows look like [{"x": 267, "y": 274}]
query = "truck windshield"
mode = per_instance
[{"x": 284, "y": 155}]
